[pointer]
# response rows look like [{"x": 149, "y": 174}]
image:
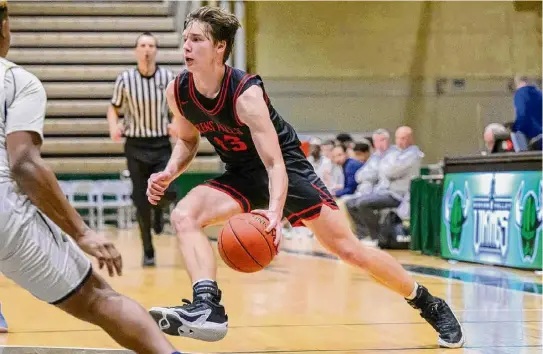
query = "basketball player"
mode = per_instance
[
  {"x": 38, "y": 226},
  {"x": 261, "y": 150}
]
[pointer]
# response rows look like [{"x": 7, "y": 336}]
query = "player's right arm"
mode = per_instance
[{"x": 184, "y": 151}]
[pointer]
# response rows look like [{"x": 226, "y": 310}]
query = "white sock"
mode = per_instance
[
  {"x": 199, "y": 280},
  {"x": 413, "y": 293}
]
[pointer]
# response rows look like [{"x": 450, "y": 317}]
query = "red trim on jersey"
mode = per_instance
[
  {"x": 176, "y": 95},
  {"x": 300, "y": 222},
  {"x": 231, "y": 191},
  {"x": 297, "y": 215},
  {"x": 329, "y": 198},
  {"x": 242, "y": 83},
  {"x": 227, "y": 193},
  {"x": 332, "y": 205},
  {"x": 296, "y": 219},
  {"x": 311, "y": 213},
  {"x": 222, "y": 97}
]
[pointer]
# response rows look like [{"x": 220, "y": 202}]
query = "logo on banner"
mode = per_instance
[
  {"x": 456, "y": 214},
  {"x": 491, "y": 221},
  {"x": 528, "y": 221}
]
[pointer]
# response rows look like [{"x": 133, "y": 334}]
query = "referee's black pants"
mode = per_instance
[{"x": 146, "y": 156}]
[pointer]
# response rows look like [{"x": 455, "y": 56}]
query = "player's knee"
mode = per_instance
[
  {"x": 183, "y": 220},
  {"x": 346, "y": 254},
  {"x": 353, "y": 253},
  {"x": 102, "y": 301},
  {"x": 92, "y": 301}
]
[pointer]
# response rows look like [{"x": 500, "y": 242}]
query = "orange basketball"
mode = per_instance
[{"x": 244, "y": 244}]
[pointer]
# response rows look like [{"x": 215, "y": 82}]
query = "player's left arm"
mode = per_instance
[
  {"x": 253, "y": 111},
  {"x": 24, "y": 130}
]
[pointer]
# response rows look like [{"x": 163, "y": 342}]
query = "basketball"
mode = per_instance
[{"x": 244, "y": 245}]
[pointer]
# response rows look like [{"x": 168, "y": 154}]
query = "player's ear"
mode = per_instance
[
  {"x": 5, "y": 28},
  {"x": 221, "y": 46}
]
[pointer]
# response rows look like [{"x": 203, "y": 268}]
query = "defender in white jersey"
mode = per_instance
[
  {"x": 42, "y": 238},
  {"x": 23, "y": 227}
]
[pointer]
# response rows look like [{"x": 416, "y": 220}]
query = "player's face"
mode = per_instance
[
  {"x": 199, "y": 49},
  {"x": 146, "y": 50}
]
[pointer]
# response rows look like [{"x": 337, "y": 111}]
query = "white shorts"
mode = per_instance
[{"x": 44, "y": 260}]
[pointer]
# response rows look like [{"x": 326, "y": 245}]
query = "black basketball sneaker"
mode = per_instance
[
  {"x": 204, "y": 318},
  {"x": 440, "y": 316}
]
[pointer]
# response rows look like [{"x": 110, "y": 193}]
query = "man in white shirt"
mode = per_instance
[
  {"x": 321, "y": 163},
  {"x": 338, "y": 179},
  {"x": 368, "y": 176},
  {"x": 397, "y": 167},
  {"x": 42, "y": 237}
]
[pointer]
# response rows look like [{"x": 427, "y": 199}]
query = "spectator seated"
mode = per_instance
[
  {"x": 350, "y": 167},
  {"x": 397, "y": 168}
]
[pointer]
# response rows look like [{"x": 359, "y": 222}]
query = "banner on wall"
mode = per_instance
[{"x": 493, "y": 218}]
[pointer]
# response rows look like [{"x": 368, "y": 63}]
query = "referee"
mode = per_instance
[{"x": 139, "y": 94}]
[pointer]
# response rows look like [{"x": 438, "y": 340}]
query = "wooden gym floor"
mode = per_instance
[{"x": 306, "y": 301}]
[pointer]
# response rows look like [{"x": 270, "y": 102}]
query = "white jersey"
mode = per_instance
[
  {"x": 22, "y": 108},
  {"x": 34, "y": 252}
]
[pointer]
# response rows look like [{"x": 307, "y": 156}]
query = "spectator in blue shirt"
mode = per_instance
[
  {"x": 350, "y": 166},
  {"x": 362, "y": 151},
  {"x": 527, "y": 102}
]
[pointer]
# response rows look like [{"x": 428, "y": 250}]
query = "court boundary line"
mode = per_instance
[
  {"x": 432, "y": 347},
  {"x": 329, "y": 257},
  {"x": 354, "y": 324},
  {"x": 78, "y": 348},
  {"x": 317, "y": 255}
]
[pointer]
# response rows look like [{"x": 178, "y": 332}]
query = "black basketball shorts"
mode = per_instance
[{"x": 249, "y": 186}]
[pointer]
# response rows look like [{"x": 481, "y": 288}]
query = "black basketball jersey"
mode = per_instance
[{"x": 217, "y": 119}]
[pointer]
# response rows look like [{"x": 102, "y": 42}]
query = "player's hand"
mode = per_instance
[
  {"x": 116, "y": 132},
  {"x": 274, "y": 225},
  {"x": 156, "y": 185},
  {"x": 104, "y": 250}
]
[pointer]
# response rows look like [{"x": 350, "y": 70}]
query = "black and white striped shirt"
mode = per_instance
[{"x": 143, "y": 102}]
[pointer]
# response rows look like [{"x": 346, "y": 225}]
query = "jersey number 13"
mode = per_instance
[{"x": 230, "y": 143}]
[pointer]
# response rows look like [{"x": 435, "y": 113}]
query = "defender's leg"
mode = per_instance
[
  {"x": 122, "y": 318},
  {"x": 47, "y": 263}
]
